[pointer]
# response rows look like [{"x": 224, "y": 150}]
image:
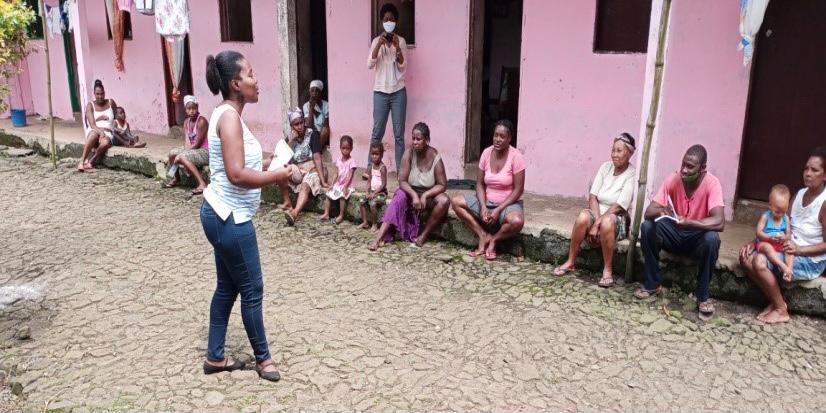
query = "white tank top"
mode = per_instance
[
  {"x": 806, "y": 227},
  {"x": 224, "y": 197}
]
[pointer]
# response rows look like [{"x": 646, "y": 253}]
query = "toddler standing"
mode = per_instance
[
  {"x": 376, "y": 190},
  {"x": 343, "y": 186},
  {"x": 773, "y": 230}
]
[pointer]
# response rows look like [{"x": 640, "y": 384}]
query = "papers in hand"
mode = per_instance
[
  {"x": 282, "y": 156},
  {"x": 672, "y": 216}
]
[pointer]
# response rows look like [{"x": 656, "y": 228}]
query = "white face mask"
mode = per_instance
[{"x": 389, "y": 26}]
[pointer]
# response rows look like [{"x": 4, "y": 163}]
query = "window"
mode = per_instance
[
  {"x": 622, "y": 26},
  {"x": 127, "y": 26},
  {"x": 405, "y": 26},
  {"x": 35, "y": 29},
  {"x": 236, "y": 20}
]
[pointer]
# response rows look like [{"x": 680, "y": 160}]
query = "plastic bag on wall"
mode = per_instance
[{"x": 751, "y": 18}]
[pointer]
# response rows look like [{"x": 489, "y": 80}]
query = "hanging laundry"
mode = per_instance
[
  {"x": 126, "y": 5},
  {"x": 110, "y": 12},
  {"x": 751, "y": 18},
  {"x": 174, "y": 49},
  {"x": 53, "y": 22},
  {"x": 146, "y": 7},
  {"x": 117, "y": 36},
  {"x": 171, "y": 17},
  {"x": 66, "y": 15}
]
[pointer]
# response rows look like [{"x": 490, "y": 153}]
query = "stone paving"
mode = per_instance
[{"x": 118, "y": 276}]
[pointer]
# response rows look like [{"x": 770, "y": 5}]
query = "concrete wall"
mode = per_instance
[
  {"x": 705, "y": 92},
  {"x": 436, "y": 77},
  {"x": 36, "y": 66},
  {"x": 572, "y": 100}
]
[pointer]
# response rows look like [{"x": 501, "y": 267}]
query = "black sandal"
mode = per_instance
[
  {"x": 212, "y": 369},
  {"x": 267, "y": 375}
]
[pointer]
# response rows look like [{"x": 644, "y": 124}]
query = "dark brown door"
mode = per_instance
[{"x": 787, "y": 105}]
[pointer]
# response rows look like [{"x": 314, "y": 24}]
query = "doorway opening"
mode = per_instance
[
  {"x": 175, "y": 112},
  {"x": 785, "y": 109},
  {"x": 311, "y": 46},
  {"x": 493, "y": 71}
]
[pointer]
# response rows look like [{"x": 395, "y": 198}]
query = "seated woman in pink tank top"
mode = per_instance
[{"x": 495, "y": 212}]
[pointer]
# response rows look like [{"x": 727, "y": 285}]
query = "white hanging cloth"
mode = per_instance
[
  {"x": 751, "y": 17},
  {"x": 171, "y": 17}
]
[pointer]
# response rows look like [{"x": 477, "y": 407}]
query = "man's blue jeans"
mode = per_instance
[
  {"x": 704, "y": 246},
  {"x": 389, "y": 103},
  {"x": 239, "y": 271}
]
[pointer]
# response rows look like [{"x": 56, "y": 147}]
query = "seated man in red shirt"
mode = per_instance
[{"x": 684, "y": 218}]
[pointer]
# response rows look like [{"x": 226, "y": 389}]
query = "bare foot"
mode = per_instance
[
  {"x": 339, "y": 219},
  {"x": 80, "y": 167},
  {"x": 787, "y": 273},
  {"x": 364, "y": 225},
  {"x": 88, "y": 165},
  {"x": 140, "y": 145},
  {"x": 775, "y": 316},
  {"x": 491, "y": 248},
  {"x": 324, "y": 217},
  {"x": 563, "y": 269},
  {"x": 765, "y": 311},
  {"x": 286, "y": 206},
  {"x": 420, "y": 240},
  {"x": 375, "y": 245}
]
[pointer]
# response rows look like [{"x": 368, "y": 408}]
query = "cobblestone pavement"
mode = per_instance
[{"x": 119, "y": 277}]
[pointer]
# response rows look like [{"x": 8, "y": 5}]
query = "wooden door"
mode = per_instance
[{"x": 787, "y": 103}]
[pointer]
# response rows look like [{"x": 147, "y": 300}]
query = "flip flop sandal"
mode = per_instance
[
  {"x": 197, "y": 191},
  {"x": 475, "y": 253},
  {"x": 289, "y": 218},
  {"x": 606, "y": 282},
  {"x": 490, "y": 256},
  {"x": 642, "y": 293},
  {"x": 212, "y": 369},
  {"x": 559, "y": 271},
  {"x": 706, "y": 310},
  {"x": 267, "y": 375},
  {"x": 169, "y": 185}
]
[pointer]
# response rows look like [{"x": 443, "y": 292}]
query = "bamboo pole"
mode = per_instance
[
  {"x": 53, "y": 148},
  {"x": 650, "y": 124}
]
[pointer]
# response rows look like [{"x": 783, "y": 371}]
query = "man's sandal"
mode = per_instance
[
  {"x": 642, "y": 293},
  {"x": 607, "y": 281}
]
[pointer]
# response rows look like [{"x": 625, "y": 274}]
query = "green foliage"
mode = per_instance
[{"x": 15, "y": 17}]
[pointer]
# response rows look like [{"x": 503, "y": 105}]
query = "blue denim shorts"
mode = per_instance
[
  {"x": 473, "y": 204},
  {"x": 804, "y": 268}
]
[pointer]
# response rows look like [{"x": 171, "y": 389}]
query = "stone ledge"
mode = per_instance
[{"x": 536, "y": 241}]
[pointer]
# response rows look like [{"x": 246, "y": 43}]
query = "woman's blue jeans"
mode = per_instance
[
  {"x": 385, "y": 104},
  {"x": 239, "y": 271}
]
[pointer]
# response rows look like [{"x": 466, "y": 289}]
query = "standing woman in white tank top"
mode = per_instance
[
  {"x": 230, "y": 201},
  {"x": 100, "y": 116},
  {"x": 807, "y": 243}
]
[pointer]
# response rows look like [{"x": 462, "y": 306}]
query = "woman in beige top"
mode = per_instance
[
  {"x": 422, "y": 183},
  {"x": 606, "y": 219},
  {"x": 388, "y": 57}
]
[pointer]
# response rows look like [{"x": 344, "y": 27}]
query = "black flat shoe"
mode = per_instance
[
  {"x": 212, "y": 369},
  {"x": 267, "y": 375}
]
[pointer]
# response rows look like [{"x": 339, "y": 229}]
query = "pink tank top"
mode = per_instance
[
  {"x": 375, "y": 180},
  {"x": 190, "y": 128}
]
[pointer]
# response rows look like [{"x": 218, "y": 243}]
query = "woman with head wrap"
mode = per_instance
[
  {"x": 194, "y": 154},
  {"x": 605, "y": 221},
  {"x": 317, "y": 112},
  {"x": 309, "y": 177}
]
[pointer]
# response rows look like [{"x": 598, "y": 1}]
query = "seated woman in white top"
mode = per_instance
[
  {"x": 606, "y": 219},
  {"x": 317, "y": 112},
  {"x": 807, "y": 243},
  {"x": 99, "y": 121}
]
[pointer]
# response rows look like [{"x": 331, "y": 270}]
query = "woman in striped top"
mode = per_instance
[{"x": 230, "y": 201}]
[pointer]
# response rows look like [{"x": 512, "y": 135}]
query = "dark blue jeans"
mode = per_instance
[
  {"x": 385, "y": 104},
  {"x": 704, "y": 246},
  {"x": 239, "y": 271}
]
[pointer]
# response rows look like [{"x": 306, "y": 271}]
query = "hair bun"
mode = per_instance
[
  {"x": 98, "y": 83},
  {"x": 213, "y": 75}
]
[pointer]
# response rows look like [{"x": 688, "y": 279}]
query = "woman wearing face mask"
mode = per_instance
[{"x": 388, "y": 56}]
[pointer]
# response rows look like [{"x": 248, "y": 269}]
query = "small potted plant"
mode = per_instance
[{"x": 15, "y": 18}]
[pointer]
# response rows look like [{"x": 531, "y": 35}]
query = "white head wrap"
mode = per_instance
[
  {"x": 190, "y": 99},
  {"x": 295, "y": 113},
  {"x": 317, "y": 84}
]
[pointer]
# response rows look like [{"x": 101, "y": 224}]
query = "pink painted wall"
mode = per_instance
[
  {"x": 61, "y": 100},
  {"x": 141, "y": 89},
  {"x": 572, "y": 101},
  {"x": 436, "y": 78},
  {"x": 705, "y": 91}
]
